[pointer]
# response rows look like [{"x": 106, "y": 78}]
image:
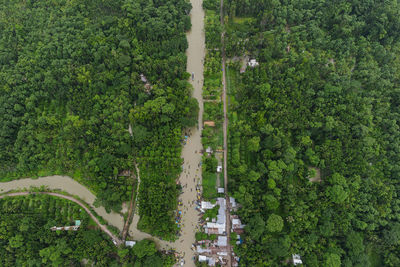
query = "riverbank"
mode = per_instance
[
  {"x": 114, "y": 238},
  {"x": 70, "y": 186}
]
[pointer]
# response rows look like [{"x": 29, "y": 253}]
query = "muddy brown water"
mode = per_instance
[{"x": 68, "y": 185}]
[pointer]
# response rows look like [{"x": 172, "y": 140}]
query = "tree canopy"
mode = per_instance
[
  {"x": 75, "y": 76},
  {"x": 323, "y": 102}
]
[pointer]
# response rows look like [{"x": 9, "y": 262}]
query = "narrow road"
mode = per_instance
[
  {"x": 225, "y": 127},
  {"x": 128, "y": 218},
  {"x": 102, "y": 227}
]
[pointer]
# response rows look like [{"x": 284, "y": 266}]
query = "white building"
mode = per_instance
[
  {"x": 253, "y": 63},
  {"x": 211, "y": 262},
  {"x": 222, "y": 241},
  {"x": 130, "y": 243},
  {"x": 143, "y": 78},
  {"x": 296, "y": 259},
  {"x": 199, "y": 249},
  {"x": 219, "y": 226},
  {"x": 233, "y": 202},
  {"x": 205, "y": 205}
]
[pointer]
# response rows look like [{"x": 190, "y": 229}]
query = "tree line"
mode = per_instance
[
  {"x": 323, "y": 102},
  {"x": 71, "y": 85},
  {"x": 26, "y": 237}
]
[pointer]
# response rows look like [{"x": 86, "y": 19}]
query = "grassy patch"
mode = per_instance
[
  {"x": 374, "y": 258},
  {"x": 221, "y": 180},
  {"x": 220, "y": 137},
  {"x": 211, "y": 213},
  {"x": 209, "y": 185},
  {"x": 212, "y": 137},
  {"x": 212, "y": 86},
  {"x": 213, "y": 112},
  {"x": 242, "y": 20}
]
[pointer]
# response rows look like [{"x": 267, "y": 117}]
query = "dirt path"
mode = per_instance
[
  {"x": 70, "y": 186},
  {"x": 132, "y": 205},
  {"x": 225, "y": 128},
  {"x": 133, "y": 231},
  {"x": 102, "y": 227}
]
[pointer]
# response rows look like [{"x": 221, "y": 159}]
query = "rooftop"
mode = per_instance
[
  {"x": 297, "y": 259},
  {"x": 233, "y": 202},
  {"x": 253, "y": 63},
  {"x": 143, "y": 78},
  {"x": 130, "y": 243},
  {"x": 207, "y": 205},
  {"x": 222, "y": 241},
  {"x": 209, "y": 123}
]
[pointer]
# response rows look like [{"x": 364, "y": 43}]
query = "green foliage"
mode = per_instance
[
  {"x": 392, "y": 234},
  {"x": 253, "y": 144},
  {"x": 211, "y": 4},
  {"x": 209, "y": 184},
  {"x": 71, "y": 87},
  {"x": 274, "y": 223},
  {"x": 279, "y": 247},
  {"x": 211, "y": 213},
  {"x": 203, "y": 236},
  {"x": 209, "y": 181},
  {"x": 337, "y": 194},
  {"x": 25, "y": 235},
  {"x": 144, "y": 248},
  {"x": 271, "y": 202},
  {"x": 332, "y": 260},
  {"x": 26, "y": 238},
  {"x": 211, "y": 164},
  {"x": 256, "y": 227},
  {"x": 324, "y": 96}
]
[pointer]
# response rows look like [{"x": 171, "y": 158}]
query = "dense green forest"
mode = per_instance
[
  {"x": 71, "y": 84},
  {"x": 26, "y": 238},
  {"x": 323, "y": 101}
]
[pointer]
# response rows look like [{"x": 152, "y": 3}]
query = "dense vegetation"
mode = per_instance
[
  {"x": 325, "y": 97},
  {"x": 71, "y": 84},
  {"x": 25, "y": 237},
  {"x": 212, "y": 136}
]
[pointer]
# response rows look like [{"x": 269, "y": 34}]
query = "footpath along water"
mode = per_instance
[{"x": 72, "y": 187}]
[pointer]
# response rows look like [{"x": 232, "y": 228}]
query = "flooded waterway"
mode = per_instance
[
  {"x": 191, "y": 174},
  {"x": 69, "y": 185}
]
